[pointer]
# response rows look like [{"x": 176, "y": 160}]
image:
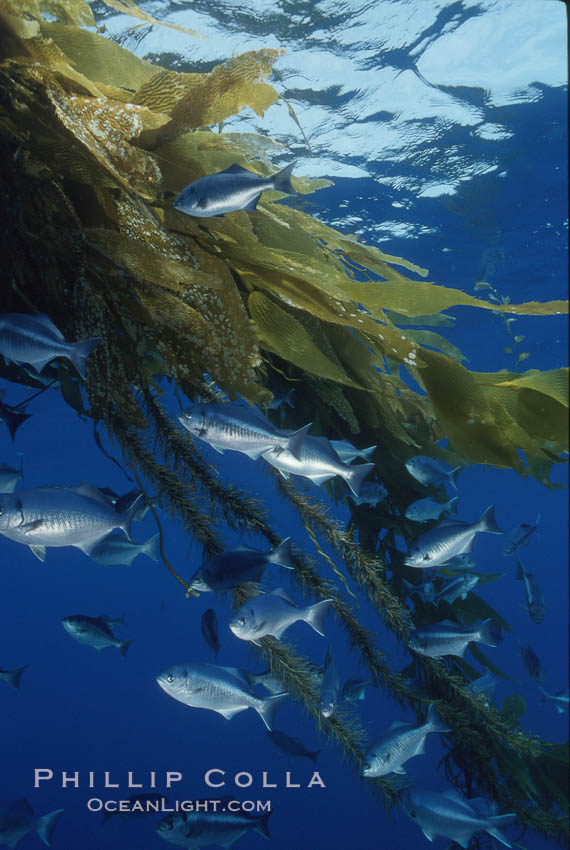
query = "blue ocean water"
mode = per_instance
[{"x": 421, "y": 180}]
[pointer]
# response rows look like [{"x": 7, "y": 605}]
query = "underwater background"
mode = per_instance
[{"x": 443, "y": 128}]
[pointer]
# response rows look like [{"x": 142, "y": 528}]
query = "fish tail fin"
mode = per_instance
[
  {"x": 14, "y": 676},
  {"x": 489, "y": 633},
  {"x": 498, "y": 822},
  {"x": 315, "y": 615},
  {"x": 81, "y": 351},
  {"x": 152, "y": 547},
  {"x": 123, "y": 647},
  {"x": 453, "y": 476},
  {"x": 355, "y": 475},
  {"x": 130, "y": 514},
  {"x": 487, "y": 521},
  {"x": 268, "y": 706},
  {"x": 537, "y": 520},
  {"x": 436, "y": 723},
  {"x": 13, "y": 420},
  {"x": 46, "y": 825},
  {"x": 282, "y": 555},
  {"x": 282, "y": 180},
  {"x": 452, "y": 504},
  {"x": 262, "y": 824},
  {"x": 544, "y": 695},
  {"x": 295, "y": 441},
  {"x": 289, "y": 398},
  {"x": 520, "y": 570},
  {"x": 366, "y": 454}
]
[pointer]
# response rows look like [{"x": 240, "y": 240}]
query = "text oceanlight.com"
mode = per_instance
[{"x": 96, "y": 804}]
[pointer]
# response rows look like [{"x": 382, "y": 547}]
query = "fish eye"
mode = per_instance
[
  {"x": 412, "y": 814},
  {"x": 241, "y": 621},
  {"x": 170, "y": 678}
]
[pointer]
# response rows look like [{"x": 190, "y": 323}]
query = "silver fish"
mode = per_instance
[
  {"x": 231, "y": 568},
  {"x": 274, "y": 686},
  {"x": 273, "y": 613},
  {"x": 330, "y": 686},
  {"x": 370, "y": 493},
  {"x": 61, "y": 516},
  {"x": 460, "y": 586},
  {"x": 35, "y": 340},
  {"x": 221, "y": 689},
  {"x": 559, "y": 700},
  {"x": 428, "y": 471},
  {"x": 347, "y": 452},
  {"x": 425, "y": 590},
  {"x": 450, "y": 538},
  {"x": 17, "y": 819},
  {"x": 465, "y": 561},
  {"x": 402, "y": 741},
  {"x": 95, "y": 631},
  {"x": 12, "y": 677},
  {"x": 534, "y": 598},
  {"x": 204, "y": 827},
  {"x": 449, "y": 814},
  {"x": 291, "y": 746},
  {"x": 425, "y": 509},
  {"x": 485, "y": 685},
  {"x": 9, "y": 477},
  {"x": 115, "y": 549},
  {"x": 318, "y": 461},
  {"x": 519, "y": 536},
  {"x": 230, "y": 426},
  {"x": 447, "y": 638},
  {"x": 209, "y": 629},
  {"x": 235, "y": 188}
]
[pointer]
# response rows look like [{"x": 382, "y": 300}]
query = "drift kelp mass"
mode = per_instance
[{"x": 145, "y": 250}]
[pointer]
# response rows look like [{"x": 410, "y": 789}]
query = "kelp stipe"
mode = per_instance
[{"x": 97, "y": 140}]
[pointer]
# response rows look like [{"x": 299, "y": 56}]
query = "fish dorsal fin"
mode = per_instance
[
  {"x": 47, "y": 323},
  {"x": 451, "y": 521},
  {"x": 90, "y": 492},
  {"x": 237, "y": 169},
  {"x": 449, "y": 623},
  {"x": 397, "y": 724},
  {"x": 456, "y": 797},
  {"x": 279, "y": 592},
  {"x": 244, "y": 548}
]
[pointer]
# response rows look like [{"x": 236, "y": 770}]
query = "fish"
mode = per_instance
[
  {"x": 347, "y": 452},
  {"x": 531, "y": 662},
  {"x": 559, "y": 700},
  {"x": 429, "y": 471},
  {"x": 273, "y": 613},
  {"x": 451, "y": 815},
  {"x": 13, "y": 417},
  {"x": 204, "y": 827},
  {"x": 519, "y": 536},
  {"x": 35, "y": 340},
  {"x": 61, "y": 516},
  {"x": 12, "y": 677},
  {"x": 370, "y": 493},
  {"x": 534, "y": 598},
  {"x": 484, "y": 685},
  {"x": 281, "y": 399},
  {"x": 233, "y": 567},
  {"x": 330, "y": 686},
  {"x": 224, "y": 425},
  {"x": 116, "y": 549},
  {"x": 353, "y": 690},
  {"x": 9, "y": 476},
  {"x": 291, "y": 746},
  {"x": 95, "y": 631},
  {"x": 448, "y": 539},
  {"x": 447, "y": 638},
  {"x": 274, "y": 686},
  {"x": 464, "y": 561},
  {"x": 233, "y": 189},
  {"x": 319, "y": 462},
  {"x": 459, "y": 586},
  {"x": 209, "y": 629},
  {"x": 138, "y": 806},
  {"x": 17, "y": 819},
  {"x": 400, "y": 742},
  {"x": 221, "y": 689},
  {"x": 123, "y": 503},
  {"x": 427, "y": 509}
]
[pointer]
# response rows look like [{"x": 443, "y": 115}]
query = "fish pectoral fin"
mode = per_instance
[
  {"x": 39, "y": 552},
  {"x": 228, "y": 713}
]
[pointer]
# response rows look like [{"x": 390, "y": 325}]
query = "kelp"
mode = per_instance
[{"x": 98, "y": 141}]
